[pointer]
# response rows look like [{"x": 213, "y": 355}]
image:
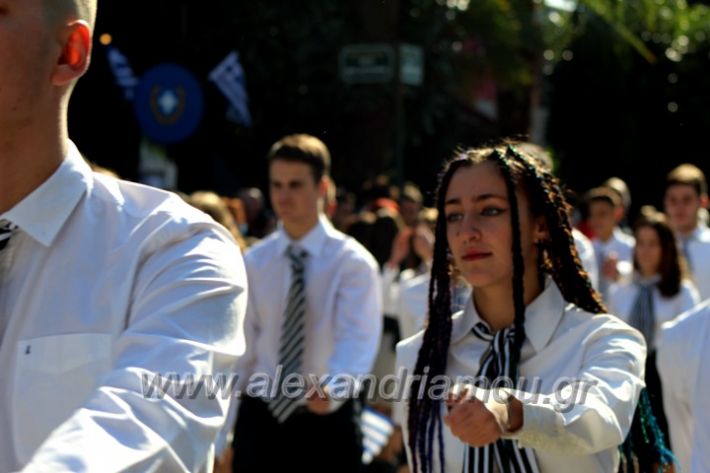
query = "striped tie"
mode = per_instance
[
  {"x": 643, "y": 317},
  {"x": 502, "y": 456},
  {"x": 685, "y": 246},
  {"x": 6, "y": 229},
  {"x": 292, "y": 337}
]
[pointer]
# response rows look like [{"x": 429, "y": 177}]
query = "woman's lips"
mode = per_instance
[{"x": 476, "y": 255}]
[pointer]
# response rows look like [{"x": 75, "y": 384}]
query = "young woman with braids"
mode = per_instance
[{"x": 532, "y": 314}]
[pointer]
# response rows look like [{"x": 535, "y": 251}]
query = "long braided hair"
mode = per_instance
[{"x": 559, "y": 252}]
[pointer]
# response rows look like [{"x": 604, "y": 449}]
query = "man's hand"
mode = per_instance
[{"x": 609, "y": 267}]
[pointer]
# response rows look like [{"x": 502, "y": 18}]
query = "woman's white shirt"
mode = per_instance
[
  {"x": 570, "y": 429},
  {"x": 622, "y": 297}
]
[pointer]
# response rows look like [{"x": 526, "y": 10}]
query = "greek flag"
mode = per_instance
[
  {"x": 377, "y": 429},
  {"x": 122, "y": 72},
  {"x": 229, "y": 78}
]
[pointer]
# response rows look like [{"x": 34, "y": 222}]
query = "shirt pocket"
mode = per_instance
[{"x": 53, "y": 377}]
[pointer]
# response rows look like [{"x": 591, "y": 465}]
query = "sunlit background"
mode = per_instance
[{"x": 394, "y": 86}]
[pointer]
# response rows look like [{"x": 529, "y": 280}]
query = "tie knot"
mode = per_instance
[
  {"x": 483, "y": 331},
  {"x": 297, "y": 257}
]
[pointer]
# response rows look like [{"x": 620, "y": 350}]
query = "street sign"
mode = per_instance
[
  {"x": 374, "y": 63},
  {"x": 367, "y": 63}
]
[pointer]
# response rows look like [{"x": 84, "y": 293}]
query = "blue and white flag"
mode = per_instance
[
  {"x": 377, "y": 429},
  {"x": 122, "y": 72},
  {"x": 229, "y": 78}
]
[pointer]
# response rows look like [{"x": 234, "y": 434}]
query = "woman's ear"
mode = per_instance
[
  {"x": 75, "y": 54},
  {"x": 541, "y": 232}
]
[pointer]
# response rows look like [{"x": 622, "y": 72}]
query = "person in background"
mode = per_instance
[
  {"x": 659, "y": 290},
  {"x": 686, "y": 194},
  {"x": 410, "y": 204},
  {"x": 612, "y": 247},
  {"x": 215, "y": 206},
  {"x": 344, "y": 214},
  {"x": 314, "y": 309},
  {"x": 622, "y": 190},
  {"x": 260, "y": 222}
]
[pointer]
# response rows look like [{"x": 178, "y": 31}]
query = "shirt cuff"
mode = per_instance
[{"x": 542, "y": 421}]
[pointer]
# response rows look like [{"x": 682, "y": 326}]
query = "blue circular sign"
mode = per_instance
[{"x": 169, "y": 103}]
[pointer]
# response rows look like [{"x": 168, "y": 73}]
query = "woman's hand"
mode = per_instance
[{"x": 479, "y": 423}]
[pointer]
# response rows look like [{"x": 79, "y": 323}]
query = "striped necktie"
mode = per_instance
[
  {"x": 502, "y": 456},
  {"x": 643, "y": 317},
  {"x": 685, "y": 246},
  {"x": 292, "y": 336},
  {"x": 6, "y": 229},
  {"x": 603, "y": 281}
]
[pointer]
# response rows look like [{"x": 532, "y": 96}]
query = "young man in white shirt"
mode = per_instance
[
  {"x": 314, "y": 315},
  {"x": 612, "y": 247},
  {"x": 686, "y": 194},
  {"x": 105, "y": 284}
]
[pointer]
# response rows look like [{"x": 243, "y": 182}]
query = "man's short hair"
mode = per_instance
[
  {"x": 305, "y": 149},
  {"x": 411, "y": 193},
  {"x": 687, "y": 175},
  {"x": 66, "y": 10},
  {"x": 603, "y": 194}
]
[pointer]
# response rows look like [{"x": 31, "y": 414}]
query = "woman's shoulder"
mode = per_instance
[
  {"x": 591, "y": 327},
  {"x": 688, "y": 287}
]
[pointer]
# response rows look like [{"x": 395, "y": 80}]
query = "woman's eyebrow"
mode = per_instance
[{"x": 478, "y": 198}]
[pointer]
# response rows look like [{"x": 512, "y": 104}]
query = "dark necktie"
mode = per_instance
[
  {"x": 496, "y": 363},
  {"x": 292, "y": 340},
  {"x": 643, "y": 317}
]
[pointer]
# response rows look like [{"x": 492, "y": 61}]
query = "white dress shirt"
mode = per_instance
[
  {"x": 620, "y": 244},
  {"x": 623, "y": 295},
  {"x": 391, "y": 282},
  {"x": 563, "y": 343},
  {"x": 682, "y": 360},
  {"x": 699, "y": 254},
  {"x": 343, "y": 321},
  {"x": 414, "y": 303},
  {"x": 104, "y": 282},
  {"x": 585, "y": 249}
]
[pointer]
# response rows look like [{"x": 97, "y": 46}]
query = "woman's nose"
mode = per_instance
[{"x": 470, "y": 227}]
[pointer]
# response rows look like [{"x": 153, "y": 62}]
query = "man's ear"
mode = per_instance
[
  {"x": 75, "y": 55},
  {"x": 704, "y": 201},
  {"x": 618, "y": 214},
  {"x": 323, "y": 187}
]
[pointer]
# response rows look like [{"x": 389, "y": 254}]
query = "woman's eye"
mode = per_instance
[
  {"x": 492, "y": 211},
  {"x": 453, "y": 217}
]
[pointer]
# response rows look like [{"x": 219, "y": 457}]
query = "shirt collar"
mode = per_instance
[
  {"x": 700, "y": 228},
  {"x": 42, "y": 214},
  {"x": 542, "y": 316},
  {"x": 312, "y": 242},
  {"x": 649, "y": 281}
]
